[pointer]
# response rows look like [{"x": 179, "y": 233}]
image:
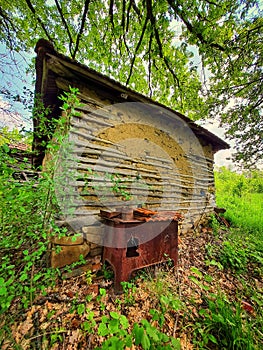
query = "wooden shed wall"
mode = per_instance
[{"x": 155, "y": 154}]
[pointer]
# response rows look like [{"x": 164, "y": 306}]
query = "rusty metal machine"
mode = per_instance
[{"x": 144, "y": 239}]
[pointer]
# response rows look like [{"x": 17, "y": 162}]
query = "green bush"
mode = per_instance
[
  {"x": 23, "y": 236},
  {"x": 223, "y": 326},
  {"x": 27, "y": 213},
  {"x": 115, "y": 329}
]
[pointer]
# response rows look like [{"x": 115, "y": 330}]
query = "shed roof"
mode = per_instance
[{"x": 64, "y": 66}]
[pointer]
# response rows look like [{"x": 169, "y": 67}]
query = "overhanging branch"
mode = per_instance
[
  {"x": 158, "y": 40},
  {"x": 31, "y": 8},
  {"x": 65, "y": 25},
  {"x": 83, "y": 20},
  {"x": 191, "y": 28},
  {"x": 137, "y": 48}
]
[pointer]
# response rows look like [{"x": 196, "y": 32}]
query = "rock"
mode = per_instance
[
  {"x": 93, "y": 234},
  {"x": 93, "y": 246},
  {"x": 69, "y": 254},
  {"x": 96, "y": 251},
  {"x": 77, "y": 272},
  {"x": 68, "y": 240},
  {"x": 77, "y": 223},
  {"x": 93, "y": 230},
  {"x": 94, "y": 239}
]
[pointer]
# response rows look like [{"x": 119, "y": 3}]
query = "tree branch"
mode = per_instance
[
  {"x": 31, "y": 8},
  {"x": 111, "y": 13},
  {"x": 136, "y": 9},
  {"x": 191, "y": 28},
  {"x": 128, "y": 15},
  {"x": 65, "y": 25},
  {"x": 6, "y": 23},
  {"x": 123, "y": 24},
  {"x": 258, "y": 103},
  {"x": 83, "y": 20},
  {"x": 6, "y": 20},
  {"x": 123, "y": 15},
  {"x": 150, "y": 66},
  {"x": 158, "y": 40},
  {"x": 137, "y": 48},
  {"x": 213, "y": 3},
  {"x": 241, "y": 86}
]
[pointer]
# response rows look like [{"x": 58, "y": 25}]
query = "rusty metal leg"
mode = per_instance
[{"x": 121, "y": 275}]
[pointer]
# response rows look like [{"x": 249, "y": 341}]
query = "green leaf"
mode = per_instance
[
  {"x": 152, "y": 333},
  {"x": 102, "y": 292},
  {"x": 198, "y": 283},
  {"x": 23, "y": 277},
  {"x": 5, "y": 148},
  {"x": 113, "y": 326},
  {"x": 212, "y": 338},
  {"x": 203, "y": 312},
  {"x": 81, "y": 309},
  {"x": 196, "y": 271},
  {"x": 103, "y": 330},
  {"x": 65, "y": 106},
  {"x": 138, "y": 333},
  {"x": 128, "y": 341},
  {"x": 219, "y": 318},
  {"x": 3, "y": 290},
  {"x": 115, "y": 315},
  {"x": 163, "y": 337},
  {"x": 87, "y": 326},
  {"x": 124, "y": 322},
  {"x": 145, "y": 341},
  {"x": 208, "y": 278},
  {"x": 176, "y": 344}
]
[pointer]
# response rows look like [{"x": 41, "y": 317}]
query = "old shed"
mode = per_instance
[{"x": 126, "y": 149}]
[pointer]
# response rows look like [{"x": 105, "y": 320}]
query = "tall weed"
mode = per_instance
[
  {"x": 27, "y": 214},
  {"x": 23, "y": 236}
]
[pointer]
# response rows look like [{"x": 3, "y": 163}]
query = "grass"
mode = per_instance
[
  {"x": 244, "y": 212},
  {"x": 244, "y": 206}
]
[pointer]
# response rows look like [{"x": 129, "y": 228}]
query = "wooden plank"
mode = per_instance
[
  {"x": 64, "y": 85},
  {"x": 90, "y": 137},
  {"x": 127, "y": 159},
  {"x": 84, "y": 120},
  {"x": 94, "y": 146}
]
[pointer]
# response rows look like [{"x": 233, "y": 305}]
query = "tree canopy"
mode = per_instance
[{"x": 201, "y": 57}]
